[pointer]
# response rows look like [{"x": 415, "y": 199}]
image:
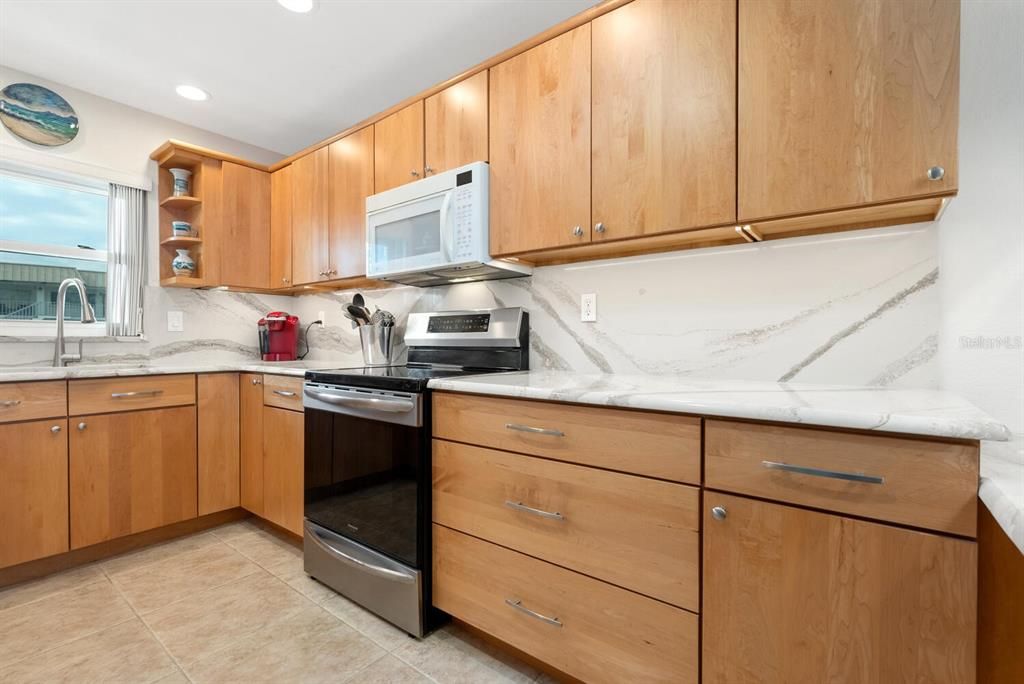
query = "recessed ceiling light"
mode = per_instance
[
  {"x": 298, "y": 5},
  {"x": 192, "y": 93}
]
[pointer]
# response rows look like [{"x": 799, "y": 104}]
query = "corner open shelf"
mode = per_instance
[
  {"x": 197, "y": 208},
  {"x": 182, "y": 281},
  {"x": 179, "y": 242},
  {"x": 180, "y": 202}
]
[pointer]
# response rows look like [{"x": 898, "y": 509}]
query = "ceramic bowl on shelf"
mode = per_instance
[
  {"x": 182, "y": 179},
  {"x": 182, "y": 264},
  {"x": 181, "y": 229}
]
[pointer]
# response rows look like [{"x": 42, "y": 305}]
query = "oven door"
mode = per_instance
[
  {"x": 409, "y": 237},
  {"x": 367, "y": 473}
]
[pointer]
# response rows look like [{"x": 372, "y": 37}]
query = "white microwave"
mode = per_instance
[{"x": 435, "y": 231}]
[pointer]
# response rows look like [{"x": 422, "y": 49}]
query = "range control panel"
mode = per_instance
[{"x": 462, "y": 323}]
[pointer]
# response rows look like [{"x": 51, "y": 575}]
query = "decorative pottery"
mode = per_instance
[
  {"x": 182, "y": 178},
  {"x": 181, "y": 229},
  {"x": 37, "y": 114},
  {"x": 182, "y": 265}
]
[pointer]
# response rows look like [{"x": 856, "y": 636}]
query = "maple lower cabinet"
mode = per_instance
[
  {"x": 845, "y": 102},
  {"x": 664, "y": 117},
  {"x": 281, "y": 228},
  {"x": 540, "y": 146},
  {"x": 217, "y": 408},
  {"x": 455, "y": 125},
  {"x": 792, "y": 595},
  {"x": 34, "y": 477},
  {"x": 245, "y": 226},
  {"x": 250, "y": 440},
  {"x": 398, "y": 148},
  {"x": 283, "y": 459},
  {"x": 310, "y": 217},
  {"x": 351, "y": 182},
  {"x": 131, "y": 471}
]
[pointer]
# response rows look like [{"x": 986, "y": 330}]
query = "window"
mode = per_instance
[{"x": 50, "y": 230}]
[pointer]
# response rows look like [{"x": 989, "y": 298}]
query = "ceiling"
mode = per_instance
[{"x": 277, "y": 79}]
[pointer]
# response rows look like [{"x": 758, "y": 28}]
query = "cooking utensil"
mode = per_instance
[
  {"x": 358, "y": 300},
  {"x": 360, "y": 314}
]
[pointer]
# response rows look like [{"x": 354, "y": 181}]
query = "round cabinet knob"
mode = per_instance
[
  {"x": 599, "y": 227},
  {"x": 427, "y": 170},
  {"x": 719, "y": 513},
  {"x": 81, "y": 426},
  {"x": 414, "y": 173},
  {"x": 285, "y": 281},
  {"x": 55, "y": 429},
  {"x": 255, "y": 381},
  {"x": 936, "y": 173},
  {"x": 578, "y": 231}
]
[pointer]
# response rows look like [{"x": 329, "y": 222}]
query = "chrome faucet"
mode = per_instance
[{"x": 60, "y": 357}]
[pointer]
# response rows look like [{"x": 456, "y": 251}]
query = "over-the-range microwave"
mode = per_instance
[{"x": 435, "y": 231}]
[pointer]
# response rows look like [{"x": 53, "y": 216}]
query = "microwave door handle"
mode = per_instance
[{"x": 446, "y": 228}]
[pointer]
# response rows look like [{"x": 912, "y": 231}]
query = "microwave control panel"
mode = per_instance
[{"x": 463, "y": 247}]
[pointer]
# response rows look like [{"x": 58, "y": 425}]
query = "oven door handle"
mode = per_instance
[
  {"x": 371, "y": 403},
  {"x": 371, "y": 568}
]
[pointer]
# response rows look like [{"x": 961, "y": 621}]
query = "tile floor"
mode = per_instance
[{"x": 228, "y": 605}]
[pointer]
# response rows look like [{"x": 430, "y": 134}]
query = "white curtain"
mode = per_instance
[{"x": 126, "y": 259}]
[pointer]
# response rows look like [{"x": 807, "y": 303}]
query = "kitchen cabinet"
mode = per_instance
[
  {"x": 455, "y": 125},
  {"x": 351, "y": 182},
  {"x": 281, "y": 228},
  {"x": 250, "y": 434},
  {"x": 34, "y": 503},
  {"x": 845, "y": 102},
  {"x": 283, "y": 458},
  {"x": 131, "y": 471},
  {"x": 310, "y": 217},
  {"x": 540, "y": 146},
  {"x": 217, "y": 407},
  {"x": 792, "y": 595},
  {"x": 245, "y": 227},
  {"x": 664, "y": 117},
  {"x": 398, "y": 148}
]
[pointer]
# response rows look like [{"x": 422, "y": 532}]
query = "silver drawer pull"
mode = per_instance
[
  {"x": 518, "y": 605},
  {"x": 10, "y": 403},
  {"x": 284, "y": 393},
  {"x": 818, "y": 472},
  {"x": 534, "y": 430},
  {"x": 140, "y": 393},
  {"x": 520, "y": 506}
]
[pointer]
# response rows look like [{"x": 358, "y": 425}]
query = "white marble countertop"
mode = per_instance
[
  {"x": 1002, "y": 485},
  {"x": 29, "y": 373}
]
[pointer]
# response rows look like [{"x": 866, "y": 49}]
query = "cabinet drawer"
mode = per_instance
[
  {"x": 33, "y": 400},
  {"x": 283, "y": 392},
  {"x": 579, "y": 625},
  {"x": 635, "y": 532},
  {"x": 909, "y": 481},
  {"x": 653, "y": 444},
  {"x": 107, "y": 395}
]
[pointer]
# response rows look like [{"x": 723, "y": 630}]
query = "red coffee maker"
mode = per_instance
[{"x": 279, "y": 336}]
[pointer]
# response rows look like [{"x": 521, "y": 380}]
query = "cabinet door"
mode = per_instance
[
  {"x": 310, "y": 221},
  {"x": 131, "y": 472},
  {"x": 351, "y": 176},
  {"x": 455, "y": 125},
  {"x": 283, "y": 459},
  {"x": 217, "y": 409},
  {"x": 540, "y": 146},
  {"x": 845, "y": 102},
  {"x": 281, "y": 228},
  {"x": 664, "y": 109},
  {"x": 398, "y": 148},
  {"x": 245, "y": 217},
  {"x": 792, "y": 595},
  {"x": 250, "y": 433},
  {"x": 34, "y": 502}
]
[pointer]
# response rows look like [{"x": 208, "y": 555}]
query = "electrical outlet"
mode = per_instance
[
  {"x": 175, "y": 321},
  {"x": 322, "y": 317},
  {"x": 588, "y": 307}
]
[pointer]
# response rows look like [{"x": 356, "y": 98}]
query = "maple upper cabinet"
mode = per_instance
[
  {"x": 455, "y": 125},
  {"x": 540, "y": 146},
  {"x": 845, "y": 102},
  {"x": 792, "y": 595},
  {"x": 281, "y": 228},
  {"x": 664, "y": 117},
  {"x": 398, "y": 148},
  {"x": 245, "y": 222},
  {"x": 310, "y": 217},
  {"x": 351, "y": 182}
]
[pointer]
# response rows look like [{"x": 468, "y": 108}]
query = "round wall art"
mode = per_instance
[{"x": 37, "y": 114}]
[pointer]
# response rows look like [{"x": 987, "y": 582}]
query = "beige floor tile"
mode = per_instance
[
  {"x": 309, "y": 646},
  {"x": 50, "y": 622},
  {"x": 178, "y": 677},
  {"x": 381, "y": 632},
  {"x": 155, "y": 585},
  {"x": 20, "y": 594},
  {"x": 210, "y": 620},
  {"x": 389, "y": 670},
  {"x": 264, "y": 548},
  {"x": 127, "y": 652},
  {"x": 134, "y": 560},
  {"x": 291, "y": 572},
  {"x": 236, "y": 529},
  {"x": 453, "y": 656}
]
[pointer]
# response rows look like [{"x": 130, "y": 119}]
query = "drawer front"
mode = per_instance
[
  {"x": 282, "y": 391},
  {"x": 107, "y": 395},
  {"x": 926, "y": 484},
  {"x": 579, "y": 625},
  {"x": 653, "y": 444},
  {"x": 33, "y": 400},
  {"x": 638, "y": 533}
]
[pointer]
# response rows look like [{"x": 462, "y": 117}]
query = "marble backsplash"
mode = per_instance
[{"x": 857, "y": 308}]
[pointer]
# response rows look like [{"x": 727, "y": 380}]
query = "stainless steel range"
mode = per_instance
[{"x": 367, "y": 466}]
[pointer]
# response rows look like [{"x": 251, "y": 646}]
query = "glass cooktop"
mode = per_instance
[{"x": 398, "y": 378}]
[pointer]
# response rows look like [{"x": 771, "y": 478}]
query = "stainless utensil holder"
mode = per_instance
[{"x": 376, "y": 342}]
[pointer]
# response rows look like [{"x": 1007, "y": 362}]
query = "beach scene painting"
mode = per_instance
[{"x": 37, "y": 114}]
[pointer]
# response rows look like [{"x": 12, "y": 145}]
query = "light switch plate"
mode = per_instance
[
  {"x": 175, "y": 321},
  {"x": 588, "y": 307}
]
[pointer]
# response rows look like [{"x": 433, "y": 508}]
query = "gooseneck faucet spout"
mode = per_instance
[{"x": 60, "y": 356}]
